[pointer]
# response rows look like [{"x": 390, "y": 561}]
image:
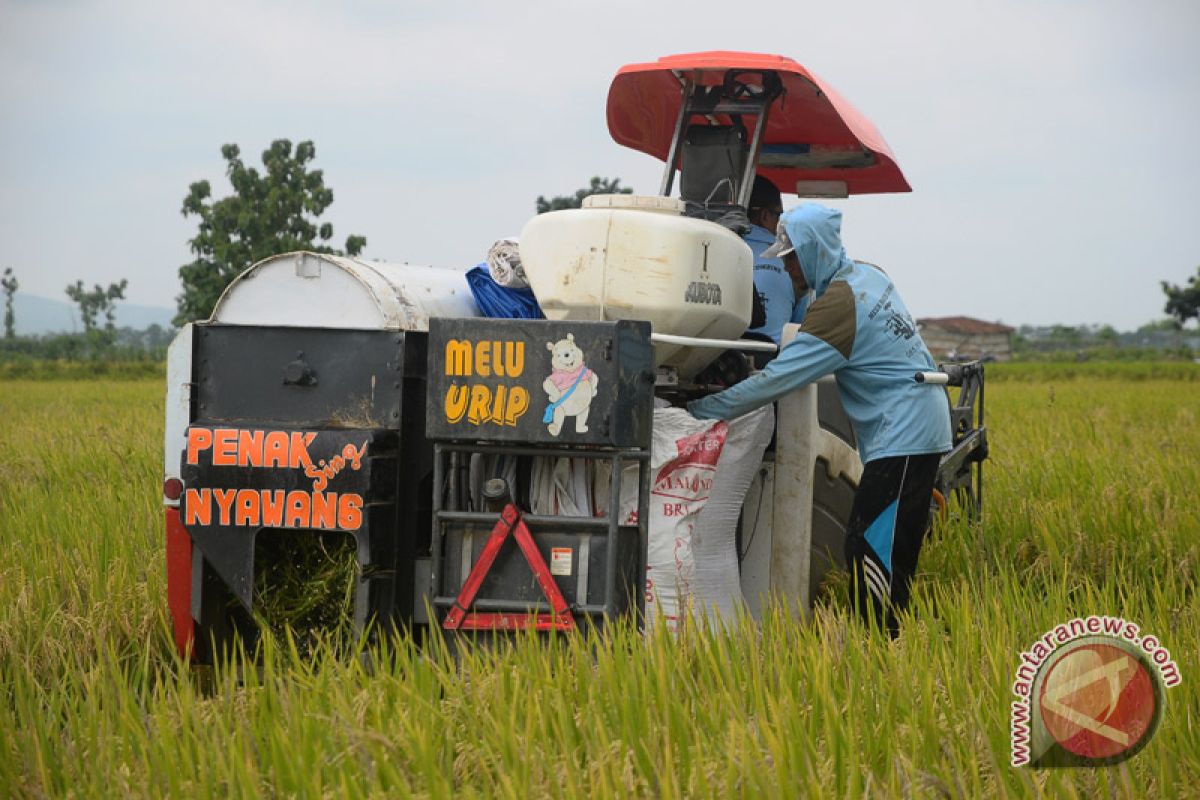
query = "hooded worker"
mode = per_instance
[
  {"x": 858, "y": 329},
  {"x": 777, "y": 301}
]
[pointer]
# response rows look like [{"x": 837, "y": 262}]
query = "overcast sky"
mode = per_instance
[{"x": 1051, "y": 146}]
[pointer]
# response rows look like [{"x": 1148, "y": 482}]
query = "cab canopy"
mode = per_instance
[{"x": 814, "y": 143}]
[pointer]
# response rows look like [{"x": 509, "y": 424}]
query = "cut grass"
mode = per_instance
[{"x": 1091, "y": 507}]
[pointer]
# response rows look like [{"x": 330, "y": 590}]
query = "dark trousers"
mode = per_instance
[{"x": 887, "y": 526}]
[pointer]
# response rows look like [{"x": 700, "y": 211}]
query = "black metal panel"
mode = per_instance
[
  {"x": 599, "y": 565},
  {"x": 305, "y": 480},
  {"x": 494, "y": 380},
  {"x": 304, "y": 377},
  {"x": 415, "y": 499},
  {"x": 511, "y": 585}
]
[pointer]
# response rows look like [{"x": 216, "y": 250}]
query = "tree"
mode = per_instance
[
  {"x": 1183, "y": 302},
  {"x": 1167, "y": 325},
  {"x": 1066, "y": 335},
  {"x": 268, "y": 214},
  {"x": 98, "y": 301},
  {"x": 598, "y": 186},
  {"x": 9, "y": 284}
]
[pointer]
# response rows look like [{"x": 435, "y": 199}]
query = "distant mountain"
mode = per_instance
[{"x": 39, "y": 315}]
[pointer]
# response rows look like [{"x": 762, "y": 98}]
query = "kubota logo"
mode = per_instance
[
  {"x": 703, "y": 293},
  {"x": 1089, "y": 699}
]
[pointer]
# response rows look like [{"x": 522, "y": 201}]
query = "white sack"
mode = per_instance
[
  {"x": 700, "y": 471},
  {"x": 504, "y": 262},
  {"x": 717, "y": 589}
]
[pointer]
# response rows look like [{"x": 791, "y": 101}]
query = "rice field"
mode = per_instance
[{"x": 1093, "y": 506}]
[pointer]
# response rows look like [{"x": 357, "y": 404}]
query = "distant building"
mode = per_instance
[{"x": 966, "y": 338}]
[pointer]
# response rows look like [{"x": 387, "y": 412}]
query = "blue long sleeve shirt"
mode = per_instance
[
  {"x": 774, "y": 286},
  {"x": 858, "y": 329}
]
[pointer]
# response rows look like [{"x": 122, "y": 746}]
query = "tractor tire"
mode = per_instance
[{"x": 833, "y": 495}]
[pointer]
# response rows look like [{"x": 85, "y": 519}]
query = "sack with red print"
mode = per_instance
[{"x": 699, "y": 473}]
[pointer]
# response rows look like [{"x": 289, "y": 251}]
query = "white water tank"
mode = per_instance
[
  {"x": 315, "y": 290},
  {"x": 637, "y": 257}
]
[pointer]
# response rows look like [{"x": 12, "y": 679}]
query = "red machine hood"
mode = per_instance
[{"x": 811, "y": 117}]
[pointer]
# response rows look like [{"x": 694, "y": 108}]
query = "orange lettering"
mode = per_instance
[
  {"x": 477, "y": 411},
  {"x": 198, "y": 439},
  {"x": 518, "y": 404},
  {"x": 458, "y": 357},
  {"x": 275, "y": 449},
  {"x": 354, "y": 455},
  {"x": 250, "y": 448},
  {"x": 197, "y": 507},
  {"x": 247, "y": 507},
  {"x": 497, "y": 414},
  {"x": 324, "y": 510},
  {"x": 514, "y": 358},
  {"x": 456, "y": 403},
  {"x": 318, "y": 476},
  {"x": 483, "y": 355},
  {"x": 498, "y": 367},
  {"x": 272, "y": 508},
  {"x": 225, "y": 499},
  {"x": 350, "y": 512},
  {"x": 224, "y": 447},
  {"x": 299, "y": 455},
  {"x": 297, "y": 510}
]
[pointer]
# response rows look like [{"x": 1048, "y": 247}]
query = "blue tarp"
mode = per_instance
[{"x": 495, "y": 300}]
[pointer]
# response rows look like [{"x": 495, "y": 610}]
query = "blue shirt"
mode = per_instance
[
  {"x": 859, "y": 329},
  {"x": 774, "y": 286}
]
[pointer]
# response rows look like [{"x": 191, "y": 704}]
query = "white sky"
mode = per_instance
[{"x": 1051, "y": 145}]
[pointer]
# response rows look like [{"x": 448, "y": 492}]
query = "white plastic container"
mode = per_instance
[
  {"x": 314, "y": 290},
  {"x": 634, "y": 257}
]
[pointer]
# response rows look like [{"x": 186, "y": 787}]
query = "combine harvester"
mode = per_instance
[{"x": 339, "y": 397}]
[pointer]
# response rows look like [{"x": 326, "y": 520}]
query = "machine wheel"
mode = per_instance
[
  {"x": 832, "y": 502},
  {"x": 833, "y": 496}
]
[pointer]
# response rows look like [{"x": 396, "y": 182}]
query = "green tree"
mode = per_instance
[
  {"x": 268, "y": 213},
  {"x": 99, "y": 300},
  {"x": 9, "y": 284},
  {"x": 1066, "y": 335},
  {"x": 1167, "y": 325},
  {"x": 1183, "y": 302},
  {"x": 597, "y": 186}
]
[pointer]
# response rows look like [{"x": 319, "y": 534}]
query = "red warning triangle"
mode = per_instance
[{"x": 559, "y": 618}]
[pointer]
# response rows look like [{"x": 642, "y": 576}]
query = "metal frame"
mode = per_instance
[
  {"x": 559, "y": 618},
  {"x": 961, "y": 470},
  {"x": 759, "y": 107},
  {"x": 446, "y": 519},
  {"x": 668, "y": 179}
]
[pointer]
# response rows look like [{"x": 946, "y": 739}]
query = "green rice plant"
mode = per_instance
[
  {"x": 97, "y": 369},
  {"x": 1045, "y": 371},
  {"x": 304, "y": 583},
  {"x": 1091, "y": 507}
]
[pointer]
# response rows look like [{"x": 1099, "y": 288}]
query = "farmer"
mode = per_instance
[
  {"x": 859, "y": 329},
  {"x": 774, "y": 290}
]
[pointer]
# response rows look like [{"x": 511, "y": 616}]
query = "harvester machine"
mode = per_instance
[{"x": 371, "y": 407}]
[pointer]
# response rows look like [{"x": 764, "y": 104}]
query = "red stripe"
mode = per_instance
[{"x": 179, "y": 581}]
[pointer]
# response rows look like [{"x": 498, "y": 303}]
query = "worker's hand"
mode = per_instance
[{"x": 702, "y": 409}]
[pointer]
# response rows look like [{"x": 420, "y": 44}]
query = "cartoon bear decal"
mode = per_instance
[{"x": 570, "y": 387}]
